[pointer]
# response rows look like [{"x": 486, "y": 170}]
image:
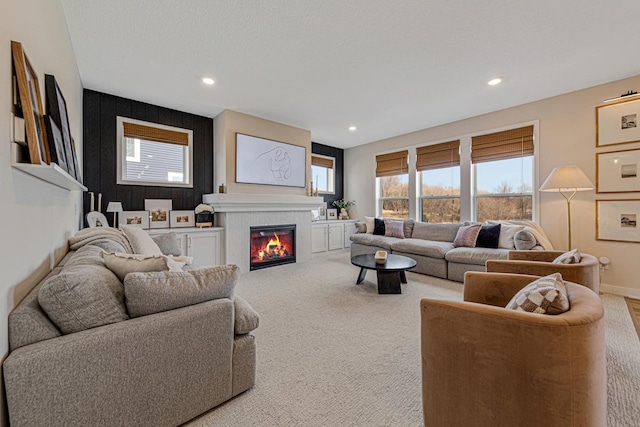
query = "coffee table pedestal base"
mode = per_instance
[{"x": 388, "y": 281}]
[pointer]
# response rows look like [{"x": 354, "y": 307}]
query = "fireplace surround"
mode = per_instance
[{"x": 272, "y": 245}]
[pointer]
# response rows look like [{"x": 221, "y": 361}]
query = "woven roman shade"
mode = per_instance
[
  {"x": 392, "y": 164},
  {"x": 321, "y": 161},
  {"x": 148, "y": 133},
  {"x": 509, "y": 144},
  {"x": 438, "y": 156}
]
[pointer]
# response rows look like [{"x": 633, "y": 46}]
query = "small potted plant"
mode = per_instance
[
  {"x": 204, "y": 215},
  {"x": 343, "y": 205}
]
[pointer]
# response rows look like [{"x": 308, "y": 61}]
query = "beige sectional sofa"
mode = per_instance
[
  {"x": 160, "y": 369},
  {"x": 431, "y": 246}
]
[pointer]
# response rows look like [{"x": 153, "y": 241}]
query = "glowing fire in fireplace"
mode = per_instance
[{"x": 273, "y": 249}]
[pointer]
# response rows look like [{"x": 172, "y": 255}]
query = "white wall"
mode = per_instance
[
  {"x": 567, "y": 136},
  {"x": 36, "y": 218}
]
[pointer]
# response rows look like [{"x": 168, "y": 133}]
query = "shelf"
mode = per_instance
[{"x": 52, "y": 174}]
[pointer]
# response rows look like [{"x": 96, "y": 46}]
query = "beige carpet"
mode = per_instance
[{"x": 331, "y": 353}]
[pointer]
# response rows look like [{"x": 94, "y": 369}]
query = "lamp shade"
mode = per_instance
[
  {"x": 567, "y": 178},
  {"x": 114, "y": 207}
]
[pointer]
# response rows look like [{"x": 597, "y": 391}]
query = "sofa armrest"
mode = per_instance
[
  {"x": 495, "y": 289},
  {"x": 164, "y": 368},
  {"x": 544, "y": 256},
  {"x": 246, "y": 318}
]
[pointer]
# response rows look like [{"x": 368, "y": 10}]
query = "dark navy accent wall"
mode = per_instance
[{"x": 338, "y": 154}]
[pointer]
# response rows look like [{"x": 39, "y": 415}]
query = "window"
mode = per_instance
[
  {"x": 393, "y": 181},
  {"x": 439, "y": 179},
  {"x": 153, "y": 154},
  {"x": 503, "y": 174},
  {"x": 322, "y": 171}
]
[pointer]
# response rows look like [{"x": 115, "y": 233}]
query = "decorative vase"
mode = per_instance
[
  {"x": 204, "y": 219},
  {"x": 343, "y": 213}
]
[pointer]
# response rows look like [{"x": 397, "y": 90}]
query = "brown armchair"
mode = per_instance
[
  {"x": 484, "y": 365},
  {"x": 539, "y": 263}
]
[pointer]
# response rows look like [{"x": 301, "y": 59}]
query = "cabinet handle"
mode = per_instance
[{"x": 189, "y": 241}]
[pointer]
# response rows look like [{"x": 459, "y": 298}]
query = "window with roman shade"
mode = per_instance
[
  {"x": 323, "y": 173},
  {"x": 392, "y": 171},
  {"x": 439, "y": 181},
  {"x": 153, "y": 154},
  {"x": 503, "y": 174}
]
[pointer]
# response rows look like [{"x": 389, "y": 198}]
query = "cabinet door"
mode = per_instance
[
  {"x": 204, "y": 248},
  {"x": 349, "y": 229},
  {"x": 318, "y": 238},
  {"x": 336, "y": 236}
]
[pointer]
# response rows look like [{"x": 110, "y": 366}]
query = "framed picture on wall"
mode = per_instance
[
  {"x": 617, "y": 123},
  {"x": 179, "y": 219},
  {"x": 617, "y": 220},
  {"x": 57, "y": 110},
  {"x": 158, "y": 212},
  {"x": 617, "y": 171},
  {"x": 134, "y": 218}
]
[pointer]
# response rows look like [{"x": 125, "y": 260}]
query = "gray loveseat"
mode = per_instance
[
  {"x": 160, "y": 369},
  {"x": 431, "y": 246}
]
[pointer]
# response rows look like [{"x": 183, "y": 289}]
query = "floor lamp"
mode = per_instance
[{"x": 565, "y": 180}]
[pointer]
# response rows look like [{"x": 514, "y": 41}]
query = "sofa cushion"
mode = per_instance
[
  {"x": 394, "y": 228},
  {"x": 507, "y": 234},
  {"x": 123, "y": 264},
  {"x": 524, "y": 240},
  {"x": 246, "y": 318},
  {"x": 153, "y": 292},
  {"x": 168, "y": 243},
  {"x": 373, "y": 240},
  {"x": 489, "y": 236},
  {"x": 140, "y": 240},
  {"x": 571, "y": 257},
  {"x": 477, "y": 256},
  {"x": 378, "y": 228},
  {"x": 546, "y": 295},
  {"x": 466, "y": 236},
  {"x": 426, "y": 248},
  {"x": 82, "y": 296},
  {"x": 437, "y": 232}
]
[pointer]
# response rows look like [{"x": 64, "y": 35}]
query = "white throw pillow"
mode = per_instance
[
  {"x": 507, "y": 233},
  {"x": 370, "y": 221},
  {"x": 140, "y": 240}
]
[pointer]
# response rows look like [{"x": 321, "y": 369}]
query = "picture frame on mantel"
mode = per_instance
[
  {"x": 158, "y": 212},
  {"x": 31, "y": 105},
  {"x": 617, "y": 123},
  {"x": 617, "y": 171}
]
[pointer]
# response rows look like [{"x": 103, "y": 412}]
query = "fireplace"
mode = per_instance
[{"x": 272, "y": 245}]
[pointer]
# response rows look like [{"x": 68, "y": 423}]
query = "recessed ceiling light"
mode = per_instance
[
  {"x": 495, "y": 81},
  {"x": 207, "y": 80},
  {"x": 352, "y": 128}
]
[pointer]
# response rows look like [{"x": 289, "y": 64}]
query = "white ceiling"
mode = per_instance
[{"x": 387, "y": 67}]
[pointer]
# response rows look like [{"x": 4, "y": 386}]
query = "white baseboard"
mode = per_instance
[{"x": 620, "y": 290}]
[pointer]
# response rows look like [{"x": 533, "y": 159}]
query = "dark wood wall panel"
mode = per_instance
[
  {"x": 100, "y": 155},
  {"x": 338, "y": 154}
]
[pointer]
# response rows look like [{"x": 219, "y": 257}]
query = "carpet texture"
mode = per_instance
[{"x": 332, "y": 353}]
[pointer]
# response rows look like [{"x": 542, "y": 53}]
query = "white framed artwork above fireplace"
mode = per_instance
[{"x": 237, "y": 213}]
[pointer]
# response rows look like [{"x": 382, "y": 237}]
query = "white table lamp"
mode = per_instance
[
  {"x": 567, "y": 179},
  {"x": 114, "y": 207}
]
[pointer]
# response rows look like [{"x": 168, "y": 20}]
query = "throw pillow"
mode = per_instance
[
  {"x": 123, "y": 264},
  {"x": 140, "y": 240},
  {"x": 524, "y": 240},
  {"x": 369, "y": 221},
  {"x": 571, "y": 257},
  {"x": 489, "y": 236},
  {"x": 507, "y": 233},
  {"x": 394, "y": 228},
  {"x": 546, "y": 295},
  {"x": 153, "y": 292},
  {"x": 82, "y": 296},
  {"x": 168, "y": 244},
  {"x": 361, "y": 227},
  {"x": 379, "y": 227},
  {"x": 408, "y": 228},
  {"x": 467, "y": 236}
]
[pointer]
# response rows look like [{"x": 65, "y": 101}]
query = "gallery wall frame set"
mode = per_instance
[
  {"x": 616, "y": 220},
  {"x": 617, "y": 123},
  {"x": 617, "y": 171}
]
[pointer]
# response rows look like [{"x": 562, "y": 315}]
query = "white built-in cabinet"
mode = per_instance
[
  {"x": 203, "y": 244},
  {"x": 331, "y": 235}
]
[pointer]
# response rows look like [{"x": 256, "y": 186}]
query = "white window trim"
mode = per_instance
[
  {"x": 333, "y": 178},
  {"x": 122, "y": 158}
]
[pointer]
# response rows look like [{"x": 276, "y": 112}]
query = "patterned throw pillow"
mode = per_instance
[
  {"x": 467, "y": 236},
  {"x": 394, "y": 228},
  {"x": 378, "y": 228},
  {"x": 571, "y": 257},
  {"x": 489, "y": 236},
  {"x": 547, "y": 295}
]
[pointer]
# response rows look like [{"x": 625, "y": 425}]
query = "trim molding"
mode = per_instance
[
  {"x": 261, "y": 202},
  {"x": 620, "y": 290}
]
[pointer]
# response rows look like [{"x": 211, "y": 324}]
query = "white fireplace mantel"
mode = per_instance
[{"x": 223, "y": 202}]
